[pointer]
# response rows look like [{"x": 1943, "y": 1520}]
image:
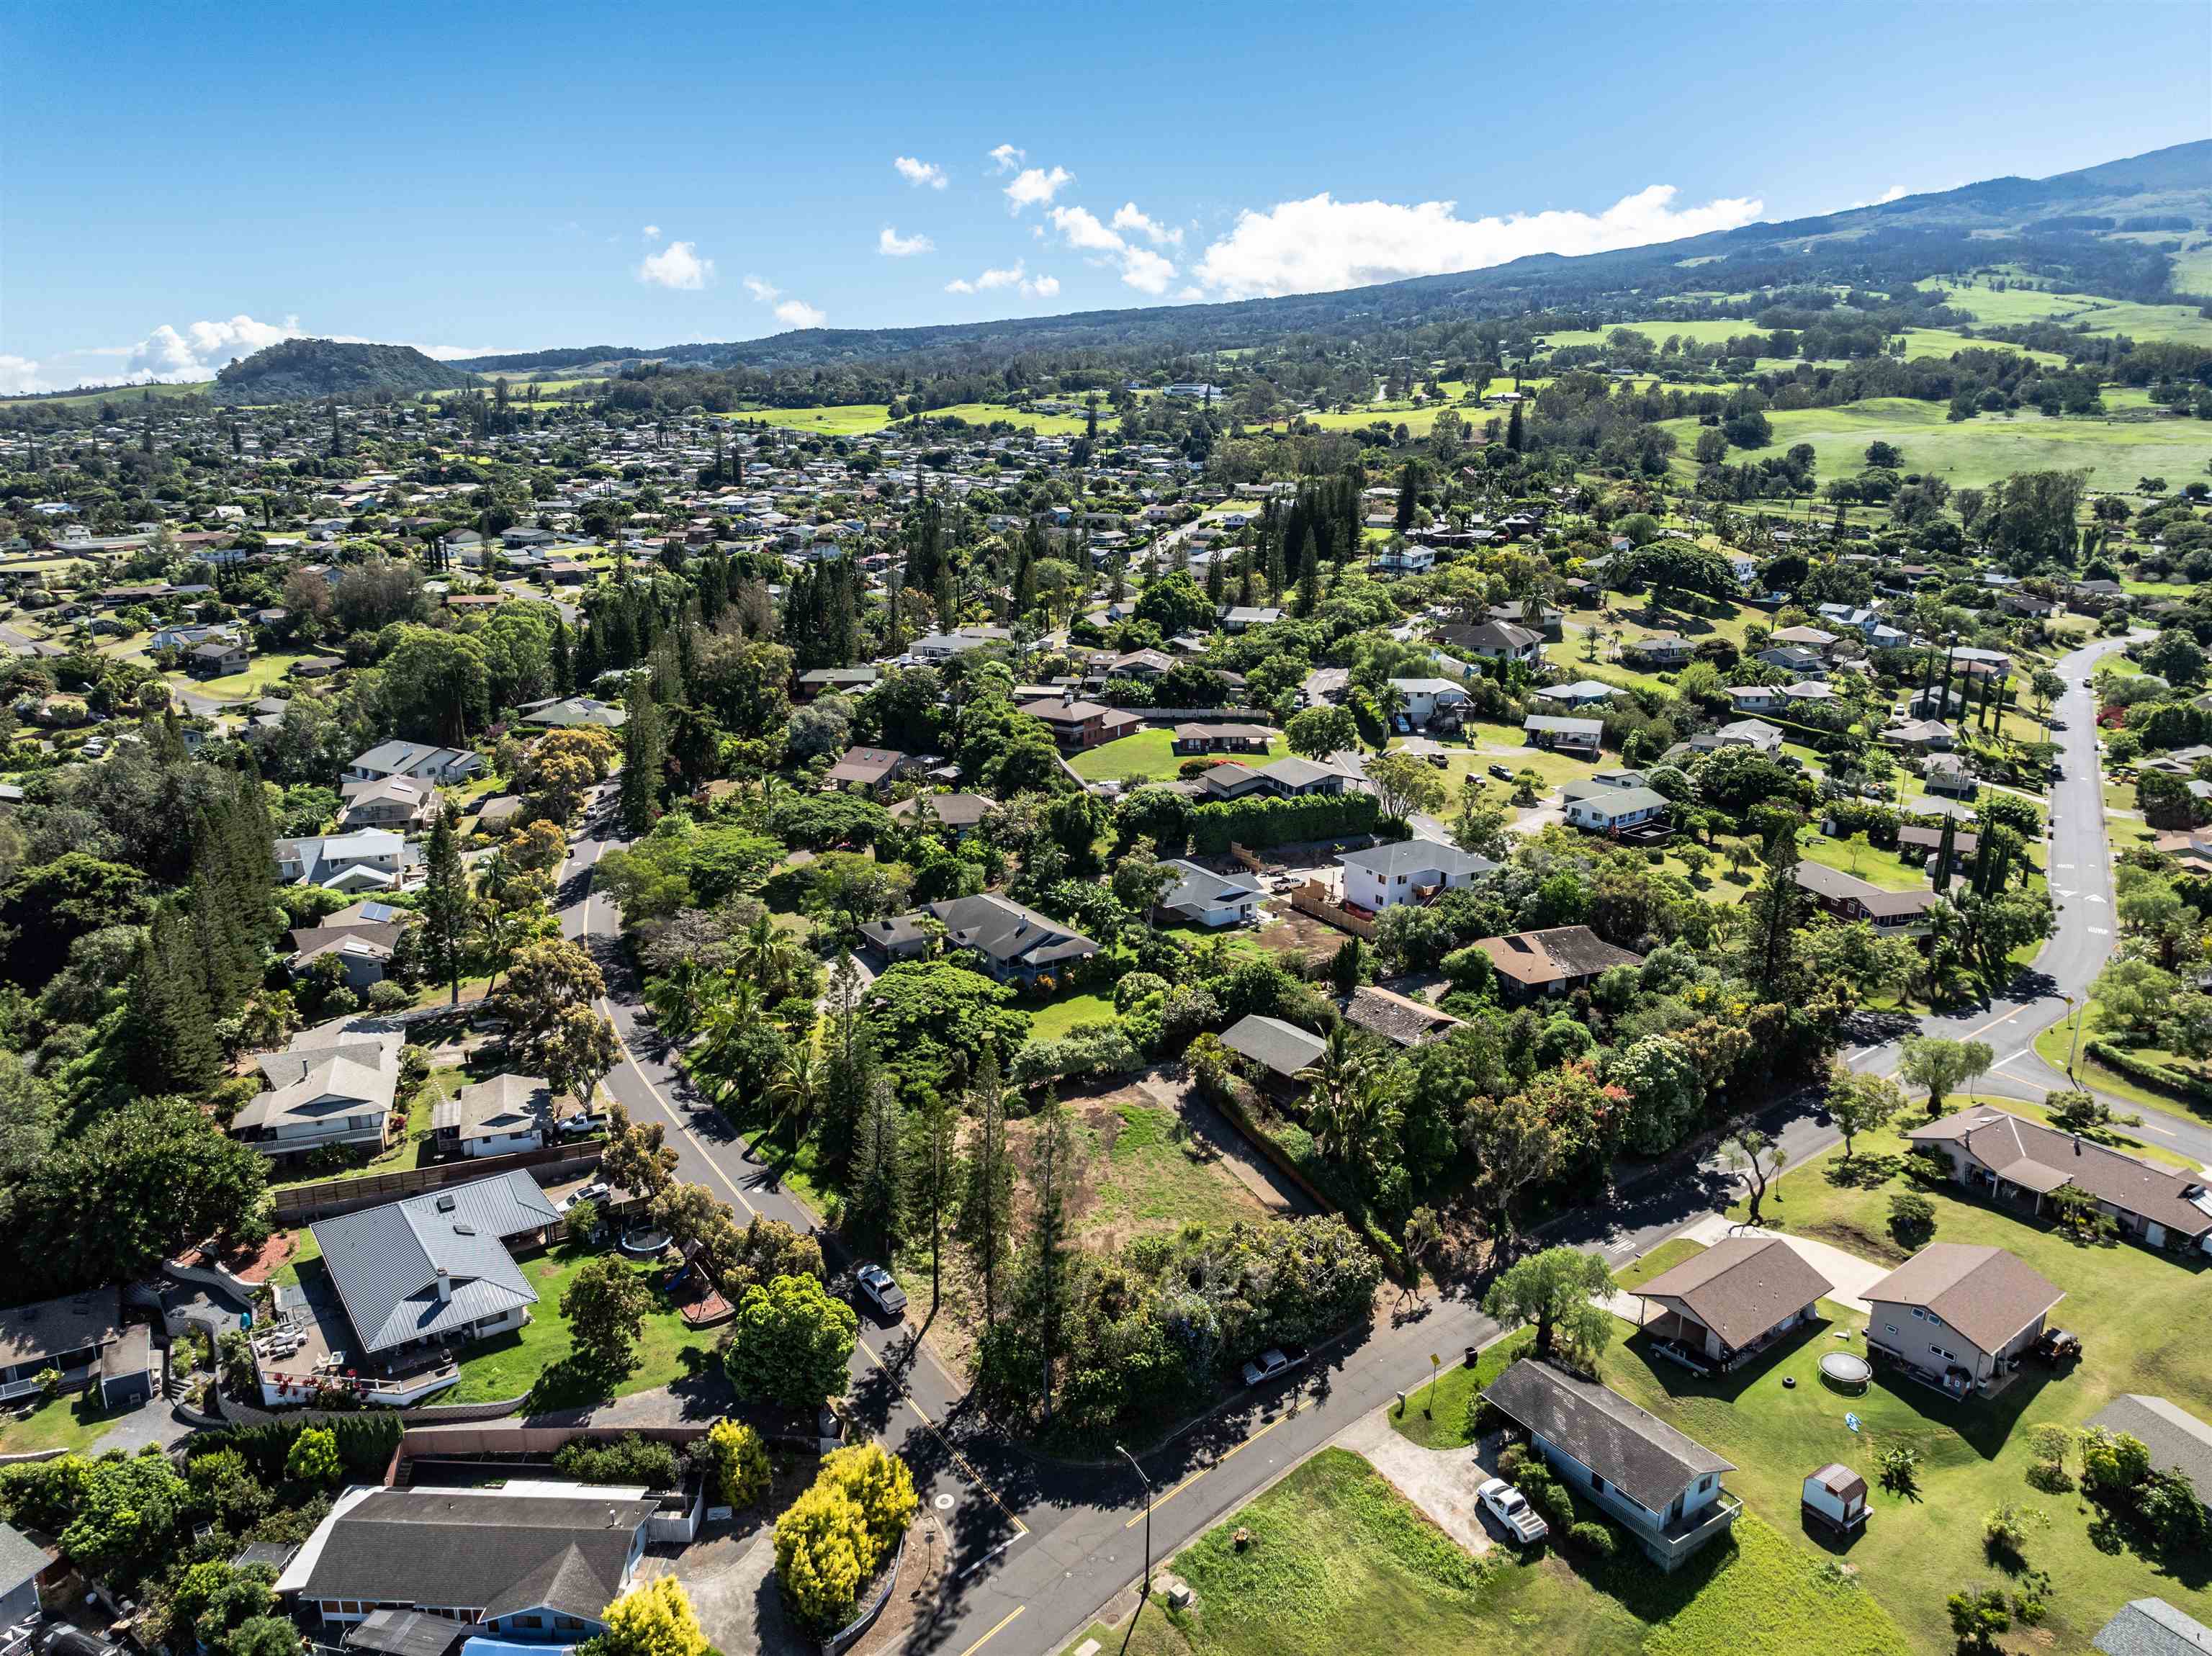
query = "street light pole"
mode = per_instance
[
  {"x": 2074, "y": 1044},
  {"x": 1146, "y": 1590}
]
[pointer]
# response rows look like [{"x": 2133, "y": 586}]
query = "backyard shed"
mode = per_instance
[{"x": 1835, "y": 1497}]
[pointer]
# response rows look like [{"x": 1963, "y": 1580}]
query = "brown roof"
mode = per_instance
[
  {"x": 1986, "y": 1293},
  {"x": 1536, "y": 958},
  {"x": 1407, "y": 1022},
  {"x": 1066, "y": 712},
  {"x": 866, "y": 765},
  {"x": 2041, "y": 1158},
  {"x": 1741, "y": 1286},
  {"x": 1839, "y": 1481}
]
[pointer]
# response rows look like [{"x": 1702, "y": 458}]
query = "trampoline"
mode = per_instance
[
  {"x": 1844, "y": 1370},
  {"x": 645, "y": 1242}
]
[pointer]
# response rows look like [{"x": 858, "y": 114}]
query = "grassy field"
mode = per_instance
[
  {"x": 2172, "y": 324},
  {"x": 1440, "y": 1421},
  {"x": 859, "y": 419},
  {"x": 2142, "y": 1319},
  {"x": 1141, "y": 1177},
  {"x": 1338, "y": 1560},
  {"x": 1150, "y": 756},
  {"x": 2053, "y": 1044},
  {"x": 512, "y": 1364},
  {"x": 1664, "y": 1258},
  {"x": 1055, "y": 1018},
  {"x": 1873, "y": 865},
  {"x": 262, "y": 674},
  {"x": 122, "y": 396},
  {"x": 68, "y": 1422},
  {"x": 1971, "y": 453}
]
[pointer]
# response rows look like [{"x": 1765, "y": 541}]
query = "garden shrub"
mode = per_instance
[{"x": 1594, "y": 1539}]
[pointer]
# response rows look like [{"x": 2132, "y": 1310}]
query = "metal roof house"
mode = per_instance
[
  {"x": 1665, "y": 1488},
  {"x": 435, "y": 1268},
  {"x": 1282, "y": 1050},
  {"x": 1206, "y": 898}
]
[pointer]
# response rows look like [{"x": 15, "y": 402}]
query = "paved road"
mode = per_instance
[{"x": 1037, "y": 1547}]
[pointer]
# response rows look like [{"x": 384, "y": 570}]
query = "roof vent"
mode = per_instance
[
  {"x": 445, "y": 1204},
  {"x": 464, "y": 1230}
]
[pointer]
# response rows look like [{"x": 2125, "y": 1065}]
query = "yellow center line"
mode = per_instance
[
  {"x": 951, "y": 1454},
  {"x": 995, "y": 1632},
  {"x": 1161, "y": 1500},
  {"x": 1993, "y": 1022}
]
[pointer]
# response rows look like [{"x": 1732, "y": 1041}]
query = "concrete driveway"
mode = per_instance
[
  {"x": 1442, "y": 1483},
  {"x": 730, "y": 1574}
]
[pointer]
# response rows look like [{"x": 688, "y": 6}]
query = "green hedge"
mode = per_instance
[
  {"x": 2124, "y": 1062},
  {"x": 1258, "y": 822},
  {"x": 366, "y": 1442}
]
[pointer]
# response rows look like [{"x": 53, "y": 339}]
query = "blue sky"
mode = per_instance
[{"x": 187, "y": 182}]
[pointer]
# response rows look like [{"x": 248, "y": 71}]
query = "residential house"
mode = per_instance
[
  {"x": 1921, "y": 734},
  {"x": 1600, "y": 810},
  {"x": 1204, "y": 898},
  {"x": 1916, "y": 845},
  {"x": 1958, "y": 1316},
  {"x": 2014, "y": 1159},
  {"x": 1749, "y": 733},
  {"x": 1850, "y": 899},
  {"x": 842, "y": 681},
  {"x": 22, "y": 1561},
  {"x": 1809, "y": 638},
  {"x": 1191, "y": 740},
  {"x": 1735, "y": 1298},
  {"x": 363, "y": 952},
  {"x": 1280, "y": 1051},
  {"x": 1015, "y": 944},
  {"x": 374, "y": 859},
  {"x": 323, "y": 1091},
  {"x": 962, "y": 813},
  {"x": 1291, "y": 777},
  {"x": 1406, "y": 871},
  {"x": 2178, "y": 1440},
  {"x": 872, "y": 768},
  {"x": 1581, "y": 738},
  {"x": 83, "y": 1338},
  {"x": 1432, "y": 700},
  {"x": 1554, "y": 961},
  {"x": 498, "y": 1117},
  {"x": 1398, "y": 1018},
  {"x": 1792, "y": 658},
  {"x": 1660, "y": 650},
  {"x": 217, "y": 658},
  {"x": 1229, "y": 780},
  {"x": 1583, "y": 693},
  {"x": 2151, "y": 1627},
  {"x": 401, "y": 804},
  {"x": 1756, "y": 698},
  {"x": 433, "y": 1271},
  {"x": 416, "y": 760},
  {"x": 578, "y": 710},
  {"x": 1498, "y": 640},
  {"x": 1663, "y": 1487},
  {"x": 525, "y": 1563},
  {"x": 1083, "y": 723},
  {"x": 1243, "y": 617},
  {"x": 1949, "y": 774}
]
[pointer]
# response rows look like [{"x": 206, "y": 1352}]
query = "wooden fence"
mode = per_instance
[
  {"x": 299, "y": 1205},
  {"x": 1314, "y": 898}
]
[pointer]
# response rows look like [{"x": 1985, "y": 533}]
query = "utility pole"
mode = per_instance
[{"x": 1144, "y": 1592}]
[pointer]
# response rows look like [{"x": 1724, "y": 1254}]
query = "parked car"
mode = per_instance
[
  {"x": 1272, "y": 1364},
  {"x": 884, "y": 1294},
  {"x": 1502, "y": 772},
  {"x": 1511, "y": 1508},
  {"x": 2058, "y": 1345},
  {"x": 597, "y": 1191},
  {"x": 579, "y": 1126}
]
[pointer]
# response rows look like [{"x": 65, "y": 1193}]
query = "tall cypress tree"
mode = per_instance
[
  {"x": 169, "y": 1030},
  {"x": 447, "y": 905},
  {"x": 645, "y": 755},
  {"x": 988, "y": 1194},
  {"x": 1052, "y": 1159},
  {"x": 1944, "y": 849}
]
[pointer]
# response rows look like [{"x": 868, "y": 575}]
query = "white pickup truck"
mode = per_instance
[{"x": 1511, "y": 1508}]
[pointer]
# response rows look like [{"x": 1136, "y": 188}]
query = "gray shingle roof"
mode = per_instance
[
  {"x": 1202, "y": 888},
  {"x": 2017, "y": 1148},
  {"x": 1986, "y": 1293},
  {"x": 1283, "y": 1047},
  {"x": 1647, "y": 1459},
  {"x": 1741, "y": 1286},
  {"x": 1415, "y": 856},
  {"x": 385, "y": 1261},
  {"x": 1007, "y": 932},
  {"x": 2151, "y": 1627},
  {"x": 505, "y": 1104},
  {"x": 20, "y": 1559},
  {"x": 474, "y": 1549},
  {"x": 2176, "y": 1439}
]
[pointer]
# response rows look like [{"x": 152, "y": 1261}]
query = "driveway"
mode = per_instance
[
  {"x": 730, "y": 1574},
  {"x": 1851, "y": 1275},
  {"x": 1442, "y": 1483}
]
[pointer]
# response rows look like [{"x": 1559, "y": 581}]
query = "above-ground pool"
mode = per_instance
[{"x": 1846, "y": 1369}]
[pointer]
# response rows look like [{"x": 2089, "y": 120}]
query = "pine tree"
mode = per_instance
[
  {"x": 933, "y": 1184},
  {"x": 169, "y": 1029},
  {"x": 644, "y": 756},
  {"x": 879, "y": 1177},
  {"x": 1945, "y": 848},
  {"x": 987, "y": 1194},
  {"x": 1513, "y": 435},
  {"x": 1773, "y": 913},
  {"x": 1052, "y": 1158},
  {"x": 447, "y": 906}
]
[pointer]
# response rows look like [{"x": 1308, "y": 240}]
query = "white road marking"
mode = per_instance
[{"x": 2100, "y": 931}]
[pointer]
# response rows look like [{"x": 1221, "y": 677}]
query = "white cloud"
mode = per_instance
[
  {"x": 1321, "y": 243},
  {"x": 1146, "y": 271},
  {"x": 1033, "y": 187},
  {"x": 1016, "y": 278},
  {"x": 1895, "y": 192},
  {"x": 18, "y": 376},
  {"x": 792, "y": 313},
  {"x": 1187, "y": 294},
  {"x": 1006, "y": 158},
  {"x": 1083, "y": 231},
  {"x": 891, "y": 245},
  {"x": 919, "y": 172},
  {"x": 652, "y": 232},
  {"x": 677, "y": 265},
  {"x": 201, "y": 348},
  {"x": 1127, "y": 217},
  {"x": 1142, "y": 268}
]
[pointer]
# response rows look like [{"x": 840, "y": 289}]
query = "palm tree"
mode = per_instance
[
  {"x": 1338, "y": 1078},
  {"x": 768, "y": 957},
  {"x": 733, "y": 1010},
  {"x": 795, "y": 1089}
]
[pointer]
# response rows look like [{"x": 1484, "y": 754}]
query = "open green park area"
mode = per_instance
[
  {"x": 1150, "y": 756},
  {"x": 2114, "y": 449},
  {"x": 859, "y": 419},
  {"x": 2167, "y": 323}
]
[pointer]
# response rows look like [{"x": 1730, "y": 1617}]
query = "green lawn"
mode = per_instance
[
  {"x": 1337, "y": 1561},
  {"x": 1972, "y": 454},
  {"x": 1140, "y": 1177},
  {"x": 1873, "y": 865},
  {"x": 70, "y": 1422},
  {"x": 2142, "y": 1319},
  {"x": 1440, "y": 1423},
  {"x": 858, "y": 419},
  {"x": 513, "y": 1363},
  {"x": 2054, "y": 1043},
  {"x": 262, "y": 674},
  {"x": 1664, "y": 1258},
  {"x": 406, "y": 1152},
  {"x": 1055, "y": 1018},
  {"x": 1150, "y": 756},
  {"x": 2169, "y": 323}
]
